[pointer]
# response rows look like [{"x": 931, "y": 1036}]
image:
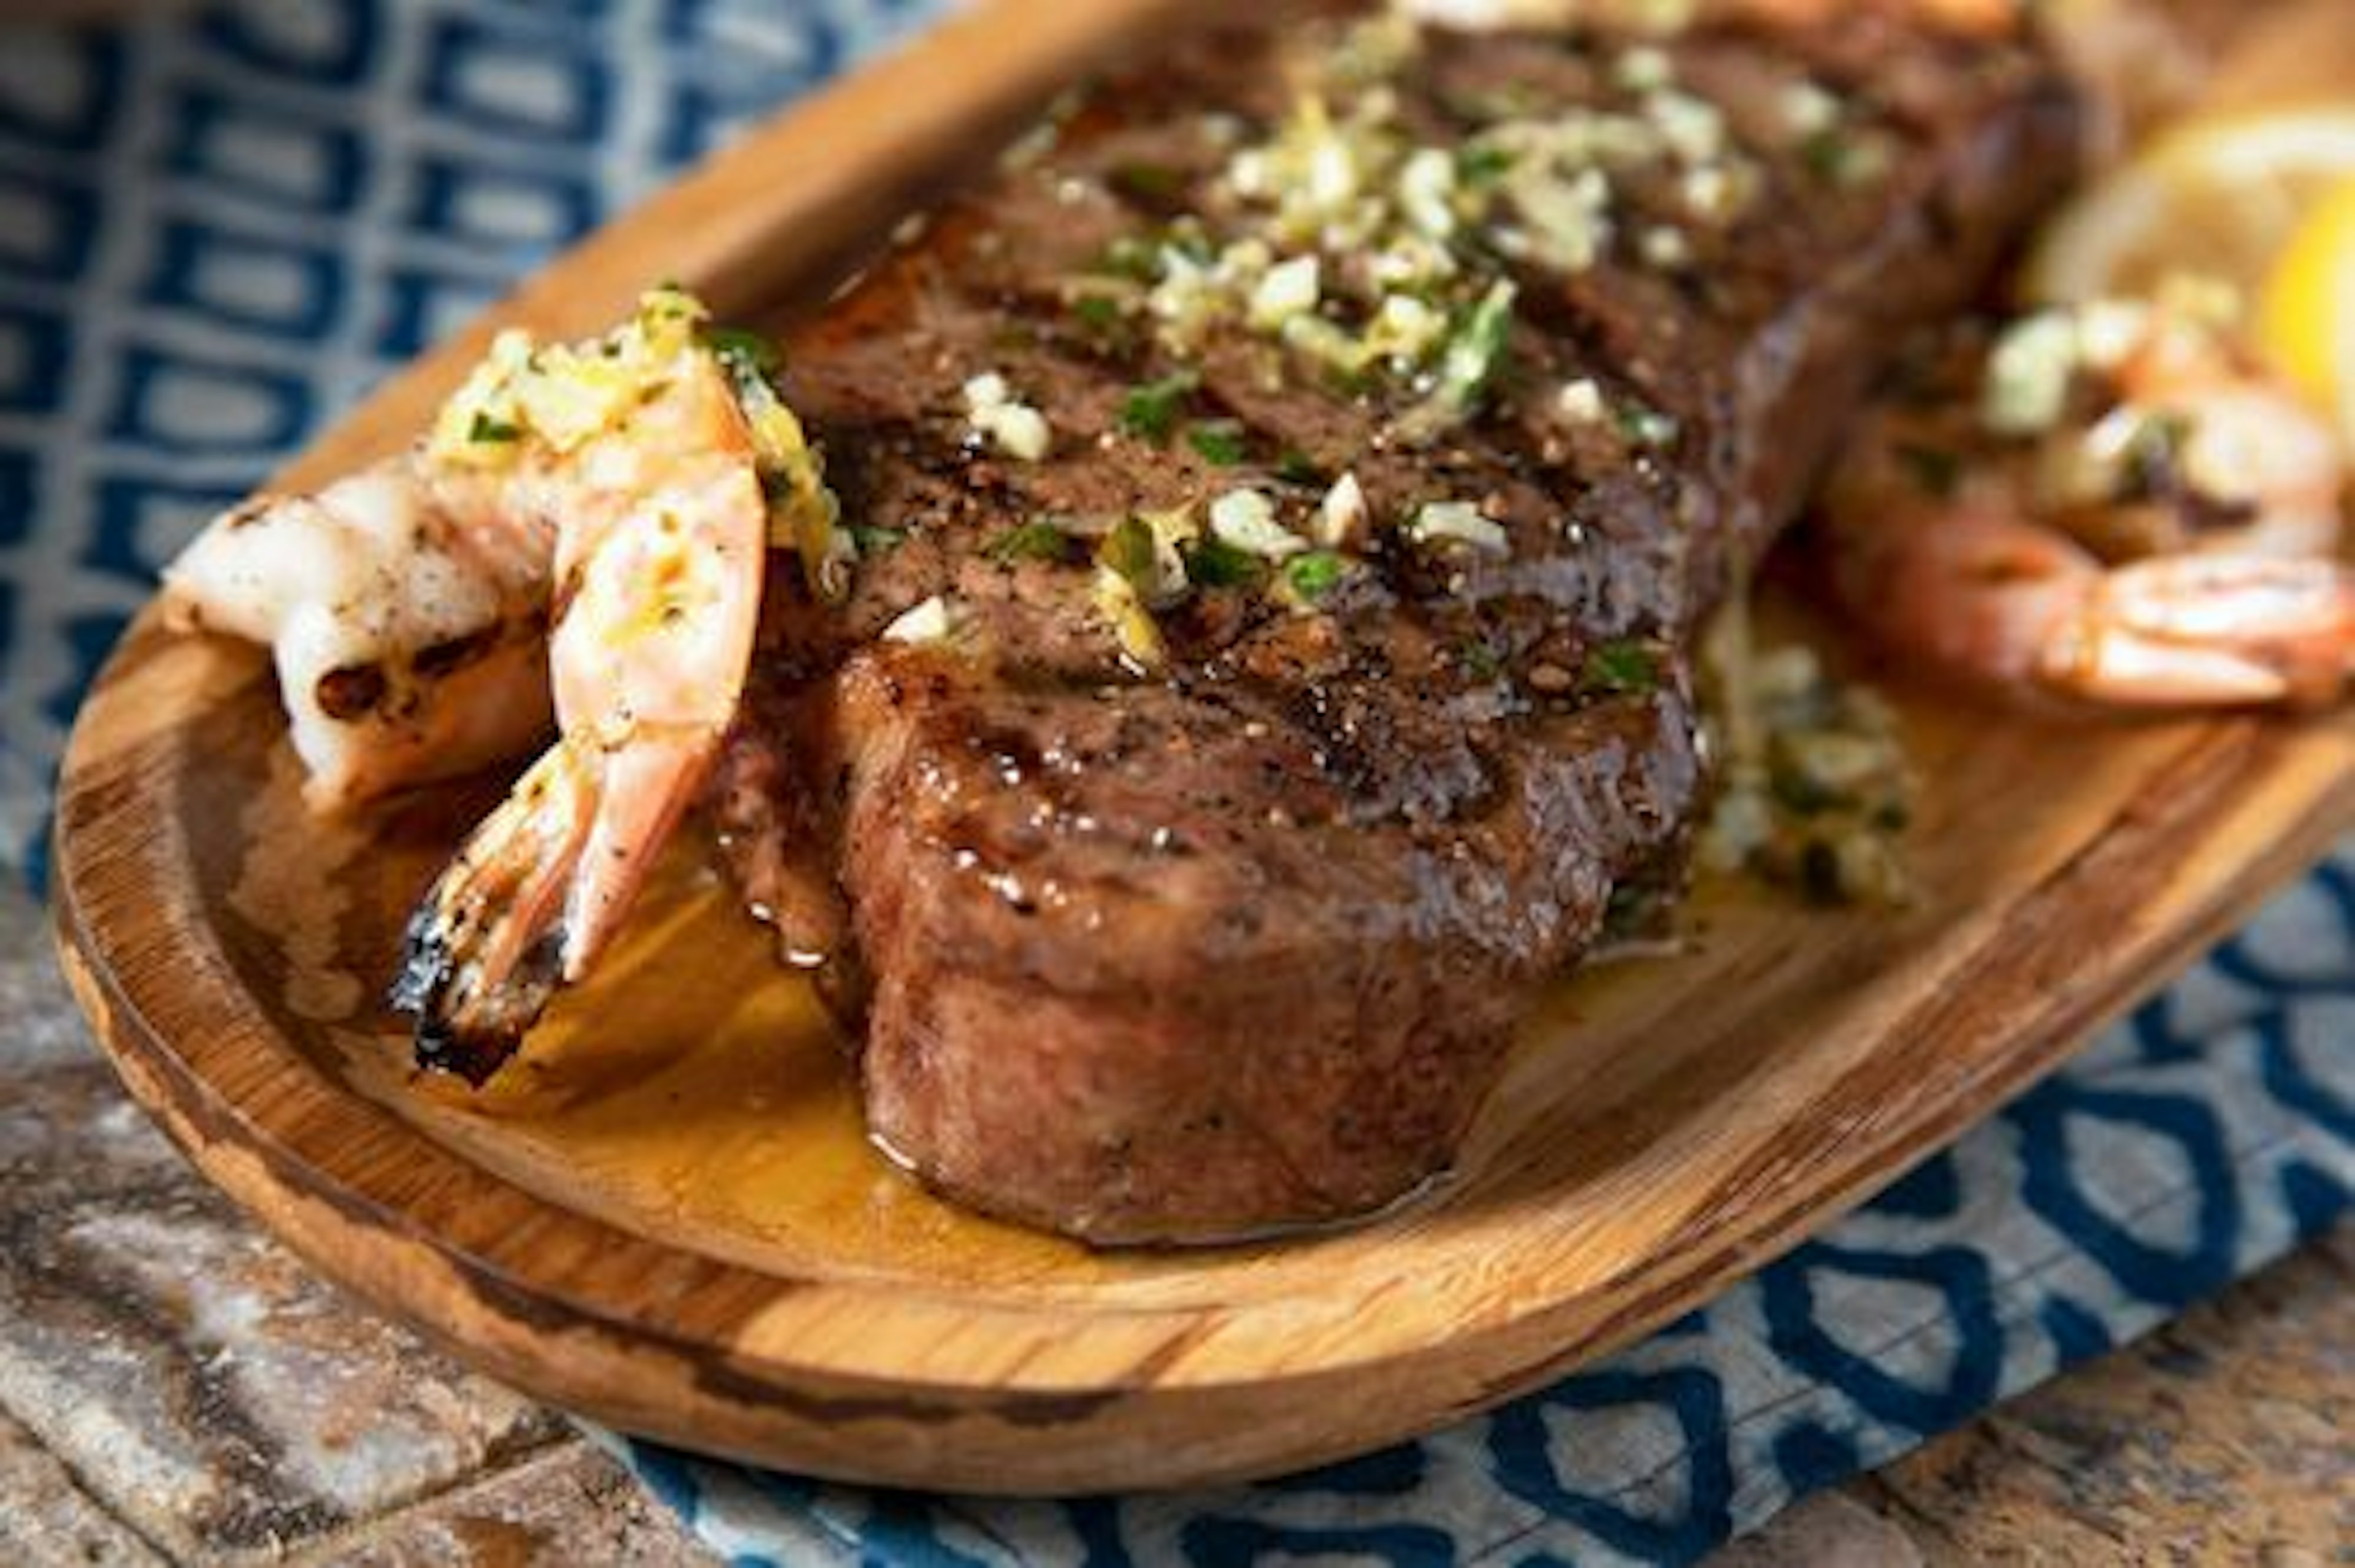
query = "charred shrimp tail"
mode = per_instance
[{"x": 489, "y": 943}]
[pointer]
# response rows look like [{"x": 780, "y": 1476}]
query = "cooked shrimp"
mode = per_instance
[
  {"x": 640, "y": 479},
  {"x": 406, "y": 609},
  {"x": 2157, "y": 525},
  {"x": 659, "y": 560}
]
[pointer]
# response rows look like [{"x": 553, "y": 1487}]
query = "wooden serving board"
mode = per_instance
[{"x": 665, "y": 1216}]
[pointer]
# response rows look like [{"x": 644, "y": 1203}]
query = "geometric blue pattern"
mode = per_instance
[
  {"x": 221, "y": 223},
  {"x": 218, "y": 227}
]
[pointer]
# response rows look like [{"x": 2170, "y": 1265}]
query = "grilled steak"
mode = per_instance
[{"x": 1179, "y": 905}]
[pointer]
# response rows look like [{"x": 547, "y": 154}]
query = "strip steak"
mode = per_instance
[{"x": 1238, "y": 942}]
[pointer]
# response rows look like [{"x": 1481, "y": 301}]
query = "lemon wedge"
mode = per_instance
[
  {"x": 2305, "y": 313},
  {"x": 2215, "y": 199}
]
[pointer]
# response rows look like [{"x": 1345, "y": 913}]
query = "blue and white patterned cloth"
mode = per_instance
[{"x": 219, "y": 224}]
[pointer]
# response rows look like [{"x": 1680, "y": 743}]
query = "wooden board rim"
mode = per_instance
[
  {"x": 409, "y": 1224},
  {"x": 305, "y": 1160}
]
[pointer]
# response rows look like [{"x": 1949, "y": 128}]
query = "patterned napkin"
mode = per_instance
[{"x": 219, "y": 224}]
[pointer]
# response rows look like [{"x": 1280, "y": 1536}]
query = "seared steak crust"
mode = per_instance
[{"x": 1240, "y": 942}]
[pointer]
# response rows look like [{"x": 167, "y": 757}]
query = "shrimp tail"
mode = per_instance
[
  {"x": 646, "y": 789},
  {"x": 2213, "y": 630},
  {"x": 492, "y": 941},
  {"x": 661, "y": 542},
  {"x": 538, "y": 891}
]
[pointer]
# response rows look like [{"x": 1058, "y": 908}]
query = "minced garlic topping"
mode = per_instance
[
  {"x": 1341, "y": 516},
  {"x": 1246, "y": 519},
  {"x": 933, "y": 621},
  {"x": 1390, "y": 267},
  {"x": 1013, "y": 427},
  {"x": 1374, "y": 256},
  {"x": 561, "y": 395},
  {"x": 1458, "y": 522},
  {"x": 1815, "y": 789},
  {"x": 528, "y": 397}
]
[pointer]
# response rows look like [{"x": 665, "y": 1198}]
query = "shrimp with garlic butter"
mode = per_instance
[
  {"x": 680, "y": 477},
  {"x": 406, "y": 606},
  {"x": 406, "y": 609},
  {"x": 2127, "y": 514},
  {"x": 602, "y": 514}
]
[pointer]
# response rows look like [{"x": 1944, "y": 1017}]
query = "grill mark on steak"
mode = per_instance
[{"x": 1240, "y": 946}]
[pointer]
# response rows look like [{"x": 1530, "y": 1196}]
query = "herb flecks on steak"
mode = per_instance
[{"x": 1260, "y": 726}]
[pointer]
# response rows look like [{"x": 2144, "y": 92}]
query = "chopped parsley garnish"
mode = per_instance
[
  {"x": 1297, "y": 467},
  {"x": 1156, "y": 185},
  {"x": 873, "y": 539},
  {"x": 1482, "y": 166},
  {"x": 1038, "y": 539},
  {"x": 1478, "y": 660},
  {"x": 1645, "y": 427},
  {"x": 1476, "y": 349},
  {"x": 1219, "y": 440},
  {"x": 1841, "y": 157},
  {"x": 1100, "y": 314},
  {"x": 745, "y": 353},
  {"x": 1825, "y": 153},
  {"x": 1800, "y": 792},
  {"x": 1131, "y": 257},
  {"x": 1149, "y": 410},
  {"x": 753, "y": 362},
  {"x": 1624, "y": 667},
  {"x": 1214, "y": 563},
  {"x": 491, "y": 431},
  {"x": 1315, "y": 574},
  {"x": 1345, "y": 382}
]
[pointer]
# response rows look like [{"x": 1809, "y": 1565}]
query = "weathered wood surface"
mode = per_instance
[
  {"x": 175, "y": 1388},
  {"x": 668, "y": 1218}
]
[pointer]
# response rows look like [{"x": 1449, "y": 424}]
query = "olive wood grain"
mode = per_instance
[{"x": 666, "y": 1220}]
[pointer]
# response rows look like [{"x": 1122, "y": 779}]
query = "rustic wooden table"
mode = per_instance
[{"x": 175, "y": 1388}]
